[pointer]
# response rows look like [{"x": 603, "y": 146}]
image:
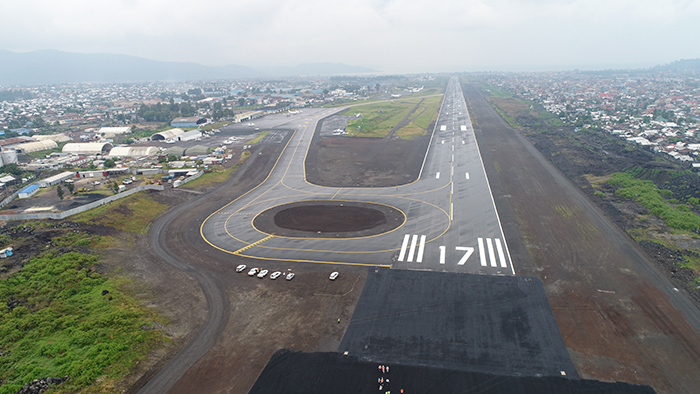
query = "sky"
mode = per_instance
[{"x": 393, "y": 36}]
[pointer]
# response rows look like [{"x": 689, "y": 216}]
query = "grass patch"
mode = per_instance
[
  {"x": 431, "y": 106},
  {"x": 61, "y": 324},
  {"x": 647, "y": 194},
  {"x": 259, "y": 137},
  {"x": 133, "y": 213},
  {"x": 378, "y": 119}
]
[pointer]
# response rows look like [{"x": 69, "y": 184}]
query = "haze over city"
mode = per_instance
[{"x": 389, "y": 36}]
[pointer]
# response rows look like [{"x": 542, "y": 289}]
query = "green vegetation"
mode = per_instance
[
  {"x": 493, "y": 90},
  {"x": 59, "y": 317},
  {"x": 259, "y": 137},
  {"x": 133, "y": 213},
  {"x": 647, "y": 194},
  {"x": 379, "y": 118}
]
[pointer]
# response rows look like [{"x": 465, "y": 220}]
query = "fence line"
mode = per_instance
[
  {"x": 9, "y": 199},
  {"x": 65, "y": 214}
]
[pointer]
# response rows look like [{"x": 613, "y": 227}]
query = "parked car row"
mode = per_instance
[{"x": 261, "y": 273}]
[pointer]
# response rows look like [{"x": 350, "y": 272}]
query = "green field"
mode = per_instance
[
  {"x": 379, "y": 118},
  {"x": 133, "y": 213},
  {"x": 66, "y": 319}
]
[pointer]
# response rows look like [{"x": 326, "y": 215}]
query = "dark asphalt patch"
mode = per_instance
[
  {"x": 490, "y": 324},
  {"x": 294, "y": 372},
  {"x": 329, "y": 219}
]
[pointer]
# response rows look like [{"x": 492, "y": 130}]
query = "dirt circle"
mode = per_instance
[{"x": 329, "y": 219}]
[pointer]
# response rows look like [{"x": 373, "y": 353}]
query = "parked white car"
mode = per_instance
[
  {"x": 262, "y": 274},
  {"x": 333, "y": 276},
  {"x": 240, "y": 268},
  {"x": 275, "y": 275}
]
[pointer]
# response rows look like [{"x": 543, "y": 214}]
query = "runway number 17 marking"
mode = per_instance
[{"x": 468, "y": 250}]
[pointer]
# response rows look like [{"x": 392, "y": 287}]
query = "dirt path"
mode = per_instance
[{"x": 618, "y": 315}]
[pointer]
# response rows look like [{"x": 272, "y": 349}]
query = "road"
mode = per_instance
[{"x": 451, "y": 219}]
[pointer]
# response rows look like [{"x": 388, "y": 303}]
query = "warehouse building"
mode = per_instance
[
  {"x": 88, "y": 148},
  {"x": 193, "y": 121},
  {"x": 133, "y": 151},
  {"x": 167, "y": 135},
  {"x": 109, "y": 132},
  {"x": 35, "y": 146},
  {"x": 53, "y": 137},
  {"x": 28, "y": 191},
  {"x": 56, "y": 179},
  {"x": 189, "y": 135}
]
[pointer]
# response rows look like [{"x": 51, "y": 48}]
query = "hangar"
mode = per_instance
[
  {"x": 167, "y": 134},
  {"x": 35, "y": 146},
  {"x": 189, "y": 135},
  {"x": 53, "y": 137},
  {"x": 192, "y": 121},
  {"x": 88, "y": 148},
  {"x": 133, "y": 151}
]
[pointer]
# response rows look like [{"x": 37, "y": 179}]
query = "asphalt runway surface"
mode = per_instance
[
  {"x": 479, "y": 323},
  {"x": 451, "y": 219},
  {"x": 293, "y": 372}
]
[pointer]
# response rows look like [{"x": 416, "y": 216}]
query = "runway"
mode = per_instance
[{"x": 451, "y": 222}]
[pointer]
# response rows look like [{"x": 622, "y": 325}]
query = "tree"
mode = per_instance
[
  {"x": 114, "y": 186},
  {"x": 59, "y": 191},
  {"x": 70, "y": 187},
  {"x": 11, "y": 168},
  {"x": 241, "y": 102},
  {"x": 109, "y": 163}
]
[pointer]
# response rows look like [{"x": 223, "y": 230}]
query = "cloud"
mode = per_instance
[{"x": 394, "y": 35}]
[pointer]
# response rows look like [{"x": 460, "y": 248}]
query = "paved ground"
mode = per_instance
[
  {"x": 501, "y": 325},
  {"x": 292, "y": 372},
  {"x": 619, "y": 316},
  {"x": 451, "y": 221}
]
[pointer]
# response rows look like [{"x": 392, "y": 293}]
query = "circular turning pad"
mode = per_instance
[{"x": 329, "y": 219}]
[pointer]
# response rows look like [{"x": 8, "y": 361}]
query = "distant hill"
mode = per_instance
[
  {"x": 680, "y": 65},
  {"x": 51, "y": 66}
]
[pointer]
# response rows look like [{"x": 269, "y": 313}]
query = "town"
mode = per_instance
[{"x": 654, "y": 109}]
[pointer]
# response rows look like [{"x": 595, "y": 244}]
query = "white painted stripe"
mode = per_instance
[
  {"x": 482, "y": 252},
  {"x": 492, "y": 256},
  {"x": 412, "y": 251},
  {"x": 452, "y": 205},
  {"x": 463, "y": 127},
  {"x": 402, "y": 254},
  {"x": 501, "y": 256},
  {"x": 453, "y": 148},
  {"x": 462, "y": 142},
  {"x": 442, "y": 254},
  {"x": 452, "y": 171},
  {"x": 421, "y": 249},
  {"x": 452, "y": 187},
  {"x": 437, "y": 175},
  {"x": 443, "y": 128},
  {"x": 453, "y": 157},
  {"x": 442, "y": 142},
  {"x": 467, "y": 174}
]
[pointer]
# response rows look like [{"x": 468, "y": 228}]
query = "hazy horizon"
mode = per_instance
[{"x": 392, "y": 36}]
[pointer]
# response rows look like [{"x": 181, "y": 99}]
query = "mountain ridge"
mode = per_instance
[{"x": 50, "y": 66}]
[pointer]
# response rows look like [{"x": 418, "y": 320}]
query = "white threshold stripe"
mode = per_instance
[
  {"x": 467, "y": 174},
  {"x": 402, "y": 254},
  {"x": 437, "y": 175},
  {"x": 492, "y": 255},
  {"x": 412, "y": 250},
  {"x": 501, "y": 256},
  {"x": 482, "y": 252},
  {"x": 421, "y": 249}
]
